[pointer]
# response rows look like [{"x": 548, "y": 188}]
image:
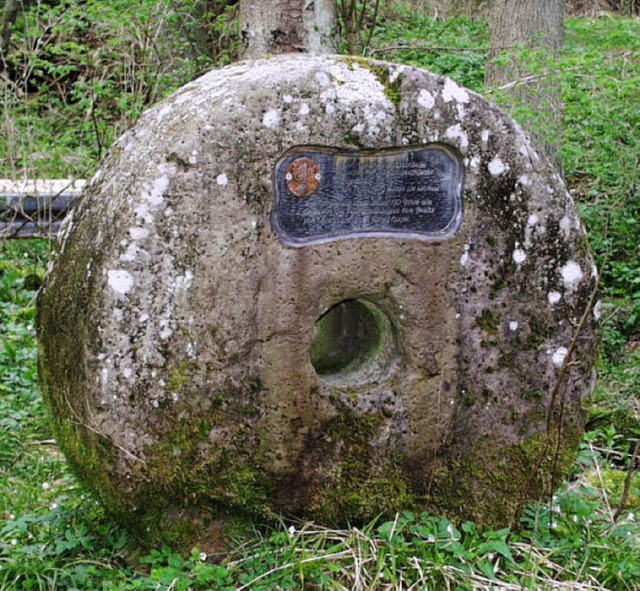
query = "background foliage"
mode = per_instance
[{"x": 76, "y": 74}]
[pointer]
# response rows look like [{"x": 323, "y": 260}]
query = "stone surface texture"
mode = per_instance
[{"x": 175, "y": 328}]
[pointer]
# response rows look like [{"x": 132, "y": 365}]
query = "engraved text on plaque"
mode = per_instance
[{"x": 323, "y": 194}]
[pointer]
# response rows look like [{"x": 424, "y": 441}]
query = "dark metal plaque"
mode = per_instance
[{"x": 323, "y": 194}]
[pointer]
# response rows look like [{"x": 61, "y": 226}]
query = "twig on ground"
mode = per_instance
[
  {"x": 292, "y": 564},
  {"x": 633, "y": 468},
  {"x": 604, "y": 490},
  {"x": 435, "y": 48}
]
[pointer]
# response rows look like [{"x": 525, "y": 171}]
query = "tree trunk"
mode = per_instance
[
  {"x": 9, "y": 15},
  {"x": 284, "y": 26},
  {"x": 529, "y": 78}
]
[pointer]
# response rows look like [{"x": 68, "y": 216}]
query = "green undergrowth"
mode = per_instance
[{"x": 54, "y": 535}]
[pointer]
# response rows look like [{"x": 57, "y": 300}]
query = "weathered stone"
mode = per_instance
[{"x": 202, "y": 372}]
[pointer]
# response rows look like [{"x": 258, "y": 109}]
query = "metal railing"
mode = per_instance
[{"x": 35, "y": 208}]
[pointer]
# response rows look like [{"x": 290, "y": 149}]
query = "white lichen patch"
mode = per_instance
[
  {"x": 395, "y": 72},
  {"x": 456, "y": 133},
  {"x": 271, "y": 119},
  {"x": 558, "y": 357},
  {"x": 154, "y": 192},
  {"x": 120, "y": 280},
  {"x": 165, "y": 333},
  {"x": 138, "y": 233},
  {"x": 132, "y": 252},
  {"x": 464, "y": 259},
  {"x": 553, "y": 297},
  {"x": 222, "y": 179},
  {"x": 597, "y": 310},
  {"x": 524, "y": 151},
  {"x": 565, "y": 225},
  {"x": 142, "y": 211},
  {"x": 329, "y": 94},
  {"x": 65, "y": 229},
  {"x": 184, "y": 281},
  {"x": 425, "y": 99},
  {"x": 453, "y": 92},
  {"x": 323, "y": 79},
  {"x": 497, "y": 167},
  {"x": 571, "y": 273},
  {"x": 95, "y": 179},
  {"x": 357, "y": 89},
  {"x": 484, "y": 137},
  {"x": 519, "y": 256},
  {"x": 533, "y": 227},
  {"x": 104, "y": 376}
]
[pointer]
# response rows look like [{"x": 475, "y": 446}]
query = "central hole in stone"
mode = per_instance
[{"x": 352, "y": 339}]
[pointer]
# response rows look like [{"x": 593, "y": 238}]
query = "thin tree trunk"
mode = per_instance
[
  {"x": 284, "y": 26},
  {"x": 9, "y": 15},
  {"x": 529, "y": 79}
]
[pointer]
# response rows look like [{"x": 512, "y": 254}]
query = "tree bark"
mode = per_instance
[
  {"x": 285, "y": 26},
  {"x": 528, "y": 79},
  {"x": 9, "y": 15}
]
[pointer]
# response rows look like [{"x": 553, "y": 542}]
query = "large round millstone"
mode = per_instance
[{"x": 320, "y": 286}]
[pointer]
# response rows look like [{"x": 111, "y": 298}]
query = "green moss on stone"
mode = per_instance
[
  {"x": 506, "y": 360},
  {"x": 488, "y": 321},
  {"x": 359, "y": 485},
  {"x": 392, "y": 90},
  {"x": 538, "y": 333},
  {"x": 531, "y": 395},
  {"x": 493, "y": 480},
  {"x": 203, "y": 488},
  {"x": 179, "y": 375}
]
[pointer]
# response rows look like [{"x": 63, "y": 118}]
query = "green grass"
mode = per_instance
[{"x": 53, "y": 534}]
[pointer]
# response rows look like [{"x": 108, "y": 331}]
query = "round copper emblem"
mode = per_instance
[{"x": 303, "y": 177}]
